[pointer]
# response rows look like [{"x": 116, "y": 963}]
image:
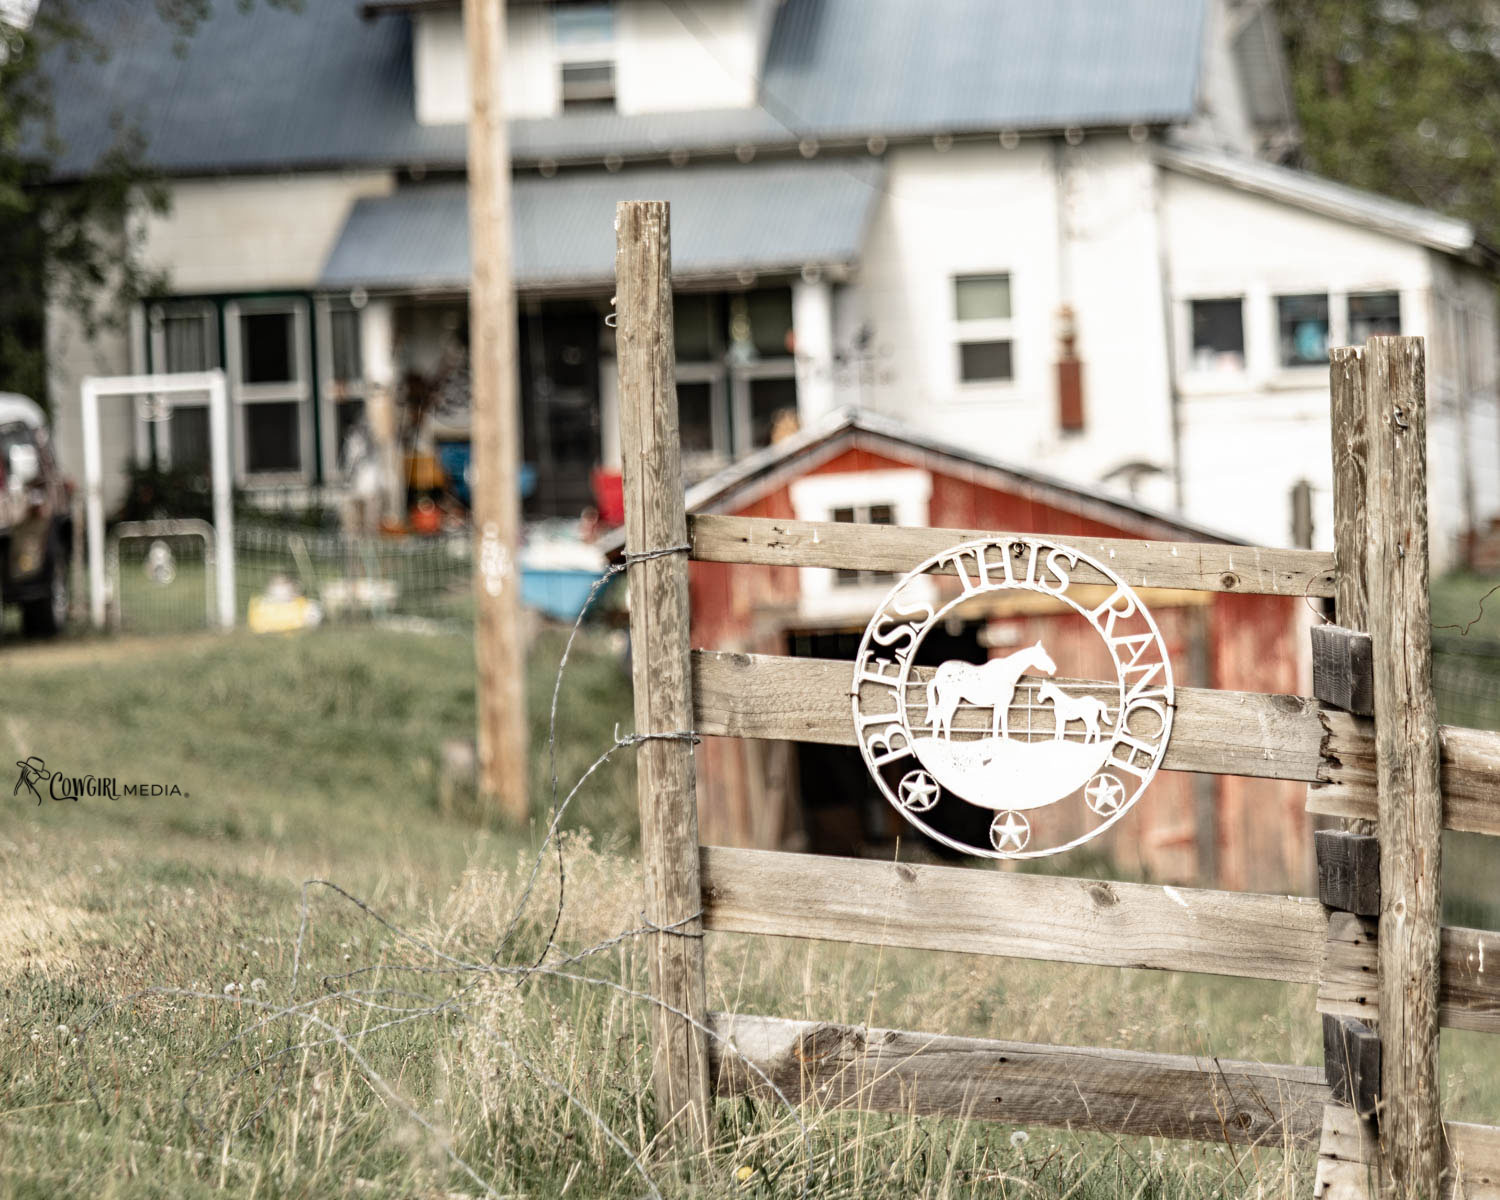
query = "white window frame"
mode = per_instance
[
  {"x": 993, "y": 329},
  {"x": 328, "y": 402},
  {"x": 245, "y": 396},
  {"x": 1347, "y": 294},
  {"x": 156, "y": 313},
  {"x": 816, "y": 497},
  {"x": 1306, "y": 374},
  {"x": 1188, "y": 367},
  {"x": 740, "y": 377},
  {"x": 711, "y": 373},
  {"x": 585, "y": 53}
]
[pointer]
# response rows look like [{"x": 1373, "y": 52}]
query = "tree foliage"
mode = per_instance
[
  {"x": 73, "y": 241},
  {"x": 70, "y": 240},
  {"x": 1402, "y": 98}
]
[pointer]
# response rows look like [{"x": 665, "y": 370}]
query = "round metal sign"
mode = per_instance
[{"x": 1006, "y": 758}]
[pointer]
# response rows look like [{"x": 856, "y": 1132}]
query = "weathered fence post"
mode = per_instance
[
  {"x": 1410, "y": 802},
  {"x": 659, "y": 614}
]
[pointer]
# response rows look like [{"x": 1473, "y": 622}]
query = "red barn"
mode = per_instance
[{"x": 1238, "y": 833}]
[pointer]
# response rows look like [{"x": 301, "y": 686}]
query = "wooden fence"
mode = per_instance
[{"x": 1402, "y": 974}]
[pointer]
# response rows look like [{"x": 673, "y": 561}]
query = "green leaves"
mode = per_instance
[{"x": 1402, "y": 99}]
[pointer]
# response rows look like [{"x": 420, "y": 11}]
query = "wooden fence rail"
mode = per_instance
[
  {"x": 1084, "y": 1088},
  {"x": 1056, "y": 919},
  {"x": 1216, "y": 732},
  {"x": 1193, "y": 566}
]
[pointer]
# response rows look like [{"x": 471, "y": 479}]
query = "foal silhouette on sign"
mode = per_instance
[
  {"x": 1065, "y": 708},
  {"x": 992, "y": 683}
]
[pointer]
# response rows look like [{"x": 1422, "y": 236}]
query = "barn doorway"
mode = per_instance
[{"x": 842, "y": 811}]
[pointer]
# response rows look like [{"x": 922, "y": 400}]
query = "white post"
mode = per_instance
[
  {"x": 378, "y": 358},
  {"x": 94, "y": 501},
  {"x": 218, "y": 428},
  {"x": 214, "y": 384},
  {"x": 812, "y": 327}
]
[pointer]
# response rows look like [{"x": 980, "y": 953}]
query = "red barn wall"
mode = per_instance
[{"x": 1262, "y": 837}]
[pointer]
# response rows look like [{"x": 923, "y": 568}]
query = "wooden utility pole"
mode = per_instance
[
  {"x": 495, "y": 430},
  {"x": 651, "y": 454}
]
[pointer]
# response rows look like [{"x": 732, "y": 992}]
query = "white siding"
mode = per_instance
[
  {"x": 686, "y": 56},
  {"x": 667, "y": 58},
  {"x": 982, "y": 208},
  {"x": 1249, "y": 437},
  {"x": 440, "y": 65},
  {"x": 255, "y": 232},
  {"x": 72, "y": 356}
]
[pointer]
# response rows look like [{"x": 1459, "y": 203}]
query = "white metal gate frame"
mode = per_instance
[
  {"x": 212, "y": 383},
  {"x": 187, "y": 527}
]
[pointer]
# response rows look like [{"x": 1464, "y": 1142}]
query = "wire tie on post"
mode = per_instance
[
  {"x": 646, "y": 555},
  {"x": 635, "y": 739},
  {"x": 675, "y": 928}
]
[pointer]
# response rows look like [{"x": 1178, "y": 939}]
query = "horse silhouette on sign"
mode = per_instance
[
  {"x": 992, "y": 683},
  {"x": 1065, "y": 708}
]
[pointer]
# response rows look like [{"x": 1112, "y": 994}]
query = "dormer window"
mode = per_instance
[{"x": 584, "y": 36}]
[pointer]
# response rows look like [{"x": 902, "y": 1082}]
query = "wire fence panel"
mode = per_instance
[
  {"x": 289, "y": 578},
  {"x": 161, "y": 576},
  {"x": 1466, "y": 680}
]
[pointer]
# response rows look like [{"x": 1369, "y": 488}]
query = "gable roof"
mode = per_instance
[
  {"x": 263, "y": 87},
  {"x": 1316, "y": 194},
  {"x": 771, "y": 467}
]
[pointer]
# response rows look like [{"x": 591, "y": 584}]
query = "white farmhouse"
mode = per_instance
[{"x": 1056, "y": 232}]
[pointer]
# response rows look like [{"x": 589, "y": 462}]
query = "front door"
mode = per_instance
[{"x": 560, "y": 405}]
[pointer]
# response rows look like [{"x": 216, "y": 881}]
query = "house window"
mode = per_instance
[
  {"x": 979, "y": 361},
  {"x": 343, "y": 328},
  {"x": 1218, "y": 331},
  {"x": 272, "y": 437},
  {"x": 189, "y": 339},
  {"x": 772, "y": 402},
  {"x": 584, "y": 36},
  {"x": 267, "y": 349},
  {"x": 702, "y": 395},
  {"x": 762, "y": 369},
  {"x": 268, "y": 374},
  {"x": 588, "y": 85},
  {"x": 864, "y": 514},
  {"x": 343, "y": 384},
  {"x": 1302, "y": 329},
  {"x": 583, "y": 24},
  {"x": 982, "y": 297},
  {"x": 736, "y": 373},
  {"x": 982, "y": 315},
  {"x": 184, "y": 337},
  {"x": 1372, "y": 314},
  {"x": 695, "y": 419}
]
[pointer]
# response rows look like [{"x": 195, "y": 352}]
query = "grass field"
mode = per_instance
[{"x": 314, "y": 757}]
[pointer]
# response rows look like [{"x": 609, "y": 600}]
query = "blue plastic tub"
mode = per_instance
[{"x": 558, "y": 593}]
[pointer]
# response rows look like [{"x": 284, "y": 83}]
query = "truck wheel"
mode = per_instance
[{"x": 47, "y": 616}]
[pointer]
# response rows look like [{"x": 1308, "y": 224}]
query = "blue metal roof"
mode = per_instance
[
  {"x": 767, "y": 216},
  {"x": 312, "y": 85},
  {"x": 896, "y": 67}
]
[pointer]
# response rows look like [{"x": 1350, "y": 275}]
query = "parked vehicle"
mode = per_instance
[{"x": 36, "y": 521}]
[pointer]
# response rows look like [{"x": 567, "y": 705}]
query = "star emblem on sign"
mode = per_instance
[
  {"x": 1010, "y": 831},
  {"x": 919, "y": 791},
  {"x": 1104, "y": 794}
]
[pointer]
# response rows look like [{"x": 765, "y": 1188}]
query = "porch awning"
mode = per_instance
[{"x": 771, "y": 216}]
